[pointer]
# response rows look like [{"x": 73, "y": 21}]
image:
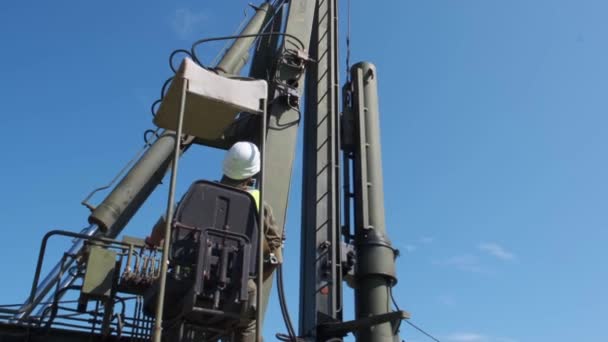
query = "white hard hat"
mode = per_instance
[{"x": 242, "y": 161}]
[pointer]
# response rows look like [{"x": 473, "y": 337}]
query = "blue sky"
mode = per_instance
[{"x": 493, "y": 122}]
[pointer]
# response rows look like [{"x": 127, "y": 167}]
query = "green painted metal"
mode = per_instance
[
  {"x": 343, "y": 328},
  {"x": 25, "y": 333},
  {"x": 240, "y": 48},
  {"x": 99, "y": 274},
  {"x": 261, "y": 187},
  {"x": 320, "y": 251},
  {"x": 375, "y": 272},
  {"x": 122, "y": 203},
  {"x": 267, "y": 47},
  {"x": 158, "y": 322},
  {"x": 284, "y": 120}
]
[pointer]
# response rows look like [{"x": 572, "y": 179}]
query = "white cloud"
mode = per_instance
[
  {"x": 426, "y": 239},
  {"x": 413, "y": 246},
  {"x": 473, "y": 263},
  {"x": 496, "y": 250},
  {"x": 446, "y": 300},
  {"x": 409, "y": 248},
  {"x": 465, "y": 337},
  {"x": 466, "y": 262},
  {"x": 474, "y": 337},
  {"x": 185, "y": 22}
]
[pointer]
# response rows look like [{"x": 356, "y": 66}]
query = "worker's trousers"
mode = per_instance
[{"x": 245, "y": 332}]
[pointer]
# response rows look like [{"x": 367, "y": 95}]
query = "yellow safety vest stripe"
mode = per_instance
[{"x": 256, "y": 196}]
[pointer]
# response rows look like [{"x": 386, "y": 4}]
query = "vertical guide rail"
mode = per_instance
[
  {"x": 260, "y": 281},
  {"x": 346, "y": 145},
  {"x": 321, "y": 280},
  {"x": 167, "y": 242},
  {"x": 375, "y": 272}
]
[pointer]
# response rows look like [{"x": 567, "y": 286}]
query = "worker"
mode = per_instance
[{"x": 241, "y": 164}]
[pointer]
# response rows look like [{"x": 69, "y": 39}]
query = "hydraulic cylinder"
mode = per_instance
[{"x": 375, "y": 269}]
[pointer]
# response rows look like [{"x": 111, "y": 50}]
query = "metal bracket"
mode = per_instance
[
  {"x": 287, "y": 93},
  {"x": 296, "y": 59},
  {"x": 349, "y": 260},
  {"x": 340, "y": 329},
  {"x": 271, "y": 259}
]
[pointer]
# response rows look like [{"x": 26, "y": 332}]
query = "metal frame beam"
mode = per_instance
[
  {"x": 284, "y": 114},
  {"x": 321, "y": 282}
]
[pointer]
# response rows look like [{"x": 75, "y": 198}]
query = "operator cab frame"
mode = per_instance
[{"x": 202, "y": 105}]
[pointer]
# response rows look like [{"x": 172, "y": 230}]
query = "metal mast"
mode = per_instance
[
  {"x": 321, "y": 282},
  {"x": 375, "y": 271},
  {"x": 287, "y": 84}
]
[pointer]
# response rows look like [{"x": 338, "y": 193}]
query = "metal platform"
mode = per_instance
[{"x": 19, "y": 333}]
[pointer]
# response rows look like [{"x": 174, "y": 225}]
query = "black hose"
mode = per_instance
[
  {"x": 291, "y": 337},
  {"x": 265, "y": 34}
]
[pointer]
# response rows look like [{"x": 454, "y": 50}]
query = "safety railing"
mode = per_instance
[{"x": 104, "y": 296}]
